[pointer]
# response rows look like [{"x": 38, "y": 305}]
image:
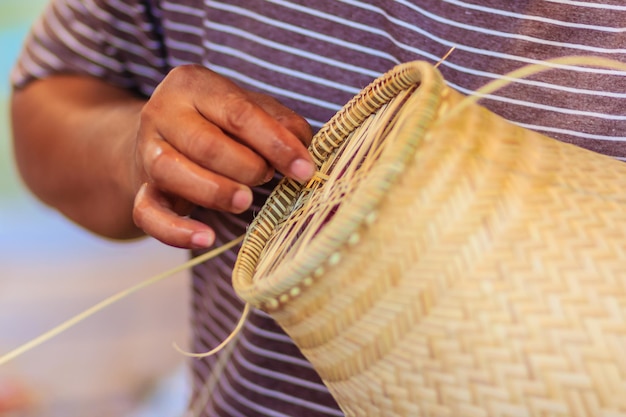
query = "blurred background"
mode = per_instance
[{"x": 119, "y": 362}]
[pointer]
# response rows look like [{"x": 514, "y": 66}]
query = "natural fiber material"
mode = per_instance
[{"x": 448, "y": 263}]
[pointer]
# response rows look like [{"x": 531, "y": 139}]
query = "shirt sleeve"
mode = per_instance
[{"x": 115, "y": 40}]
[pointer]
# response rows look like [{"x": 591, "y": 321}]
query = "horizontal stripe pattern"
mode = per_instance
[
  {"x": 314, "y": 56},
  {"x": 266, "y": 374},
  {"x": 326, "y": 58}
]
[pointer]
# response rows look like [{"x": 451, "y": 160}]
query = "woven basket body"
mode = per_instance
[{"x": 452, "y": 264}]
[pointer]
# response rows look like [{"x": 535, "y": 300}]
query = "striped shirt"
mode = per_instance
[{"x": 314, "y": 56}]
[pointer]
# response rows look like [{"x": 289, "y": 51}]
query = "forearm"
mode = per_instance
[{"x": 77, "y": 154}]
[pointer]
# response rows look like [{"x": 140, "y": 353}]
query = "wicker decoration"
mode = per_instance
[{"x": 446, "y": 262}]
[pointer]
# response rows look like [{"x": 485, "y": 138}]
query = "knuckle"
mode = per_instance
[
  {"x": 214, "y": 196},
  {"x": 238, "y": 111},
  {"x": 202, "y": 146},
  {"x": 150, "y": 112},
  {"x": 190, "y": 78},
  {"x": 279, "y": 148},
  {"x": 184, "y": 74},
  {"x": 217, "y": 195},
  {"x": 157, "y": 161}
]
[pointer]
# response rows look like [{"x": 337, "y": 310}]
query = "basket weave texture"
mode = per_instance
[{"x": 446, "y": 262}]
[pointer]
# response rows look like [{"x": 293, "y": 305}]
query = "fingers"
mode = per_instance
[
  {"x": 256, "y": 121},
  {"x": 153, "y": 209},
  {"x": 204, "y": 141},
  {"x": 285, "y": 116},
  {"x": 210, "y": 148},
  {"x": 255, "y": 128},
  {"x": 173, "y": 173}
]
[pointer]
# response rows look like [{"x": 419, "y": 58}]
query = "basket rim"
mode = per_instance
[{"x": 272, "y": 291}]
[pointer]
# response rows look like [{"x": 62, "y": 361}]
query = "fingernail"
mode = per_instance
[
  {"x": 202, "y": 239},
  {"x": 242, "y": 199},
  {"x": 269, "y": 176},
  {"x": 302, "y": 169}
]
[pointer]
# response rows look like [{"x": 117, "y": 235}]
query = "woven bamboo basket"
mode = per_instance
[{"x": 445, "y": 262}]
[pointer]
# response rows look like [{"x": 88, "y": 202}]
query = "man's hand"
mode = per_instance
[
  {"x": 204, "y": 141},
  {"x": 119, "y": 165}
]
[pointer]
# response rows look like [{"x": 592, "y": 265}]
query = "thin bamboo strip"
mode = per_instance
[{"x": 72, "y": 321}]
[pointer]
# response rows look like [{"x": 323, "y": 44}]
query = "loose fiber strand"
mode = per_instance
[
  {"x": 231, "y": 336},
  {"x": 114, "y": 298},
  {"x": 528, "y": 70}
]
